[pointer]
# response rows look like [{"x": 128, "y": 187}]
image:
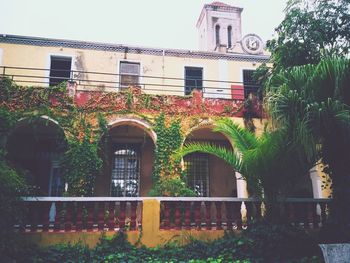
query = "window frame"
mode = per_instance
[
  {"x": 126, "y": 146},
  {"x": 217, "y": 29},
  {"x": 185, "y": 79},
  {"x": 229, "y": 37},
  {"x": 48, "y": 64},
  {"x": 120, "y": 74},
  {"x": 206, "y": 180},
  {"x": 255, "y": 86}
]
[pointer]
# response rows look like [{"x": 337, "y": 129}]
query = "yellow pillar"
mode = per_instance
[{"x": 150, "y": 222}]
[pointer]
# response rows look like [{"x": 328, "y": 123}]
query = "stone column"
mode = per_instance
[
  {"x": 316, "y": 183},
  {"x": 241, "y": 184}
]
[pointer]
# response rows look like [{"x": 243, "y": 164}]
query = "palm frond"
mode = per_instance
[
  {"x": 241, "y": 138},
  {"x": 232, "y": 158}
]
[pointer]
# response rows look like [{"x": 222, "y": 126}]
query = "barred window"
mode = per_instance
[
  {"x": 125, "y": 171},
  {"x": 129, "y": 73},
  {"x": 197, "y": 168}
]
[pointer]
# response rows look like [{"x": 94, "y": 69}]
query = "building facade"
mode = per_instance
[{"x": 208, "y": 83}]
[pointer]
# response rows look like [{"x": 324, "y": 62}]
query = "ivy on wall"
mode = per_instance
[
  {"x": 83, "y": 120},
  {"x": 81, "y": 163},
  {"x": 168, "y": 176}
]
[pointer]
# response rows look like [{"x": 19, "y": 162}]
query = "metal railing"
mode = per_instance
[{"x": 158, "y": 85}]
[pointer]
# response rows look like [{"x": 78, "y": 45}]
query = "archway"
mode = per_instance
[
  {"x": 129, "y": 160},
  {"x": 207, "y": 174},
  {"x": 36, "y": 146}
]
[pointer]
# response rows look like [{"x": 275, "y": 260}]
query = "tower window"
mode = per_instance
[
  {"x": 229, "y": 36},
  {"x": 60, "y": 68},
  {"x": 217, "y": 35}
]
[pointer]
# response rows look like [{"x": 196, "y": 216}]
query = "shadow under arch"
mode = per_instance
[
  {"x": 128, "y": 159},
  {"x": 142, "y": 124},
  {"x": 207, "y": 174},
  {"x": 35, "y": 145}
]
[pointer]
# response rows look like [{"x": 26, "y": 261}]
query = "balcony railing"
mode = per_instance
[
  {"x": 68, "y": 214},
  {"x": 158, "y": 85}
]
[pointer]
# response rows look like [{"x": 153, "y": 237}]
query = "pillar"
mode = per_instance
[
  {"x": 316, "y": 183},
  {"x": 241, "y": 184}
]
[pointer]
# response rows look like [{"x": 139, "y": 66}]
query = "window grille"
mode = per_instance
[
  {"x": 125, "y": 171},
  {"x": 197, "y": 168},
  {"x": 129, "y": 74}
]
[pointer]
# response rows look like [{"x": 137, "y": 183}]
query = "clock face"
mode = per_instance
[{"x": 252, "y": 44}]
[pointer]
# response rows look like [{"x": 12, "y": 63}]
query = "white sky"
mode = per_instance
[{"x": 149, "y": 23}]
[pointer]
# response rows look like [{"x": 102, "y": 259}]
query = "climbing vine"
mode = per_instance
[
  {"x": 81, "y": 164},
  {"x": 168, "y": 176},
  {"x": 83, "y": 120}
]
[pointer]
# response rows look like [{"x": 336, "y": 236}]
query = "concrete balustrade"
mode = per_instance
[{"x": 153, "y": 221}]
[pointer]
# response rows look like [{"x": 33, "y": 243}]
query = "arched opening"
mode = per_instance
[
  {"x": 129, "y": 161},
  {"x": 36, "y": 146},
  {"x": 217, "y": 35},
  {"x": 229, "y": 36},
  {"x": 207, "y": 174}
]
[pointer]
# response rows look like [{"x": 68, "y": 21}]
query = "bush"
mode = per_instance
[
  {"x": 11, "y": 209},
  {"x": 263, "y": 243}
]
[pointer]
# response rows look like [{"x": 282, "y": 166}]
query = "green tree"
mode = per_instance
[
  {"x": 313, "y": 101},
  {"x": 310, "y": 31},
  {"x": 266, "y": 162}
]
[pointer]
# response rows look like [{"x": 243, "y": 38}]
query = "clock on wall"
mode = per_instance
[{"x": 252, "y": 44}]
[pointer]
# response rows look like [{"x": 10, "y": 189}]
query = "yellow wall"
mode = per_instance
[{"x": 17, "y": 55}]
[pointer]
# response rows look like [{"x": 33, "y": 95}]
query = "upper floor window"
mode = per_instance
[
  {"x": 217, "y": 35},
  {"x": 197, "y": 168},
  {"x": 193, "y": 79},
  {"x": 60, "y": 69},
  {"x": 251, "y": 86},
  {"x": 229, "y": 36},
  {"x": 129, "y": 73}
]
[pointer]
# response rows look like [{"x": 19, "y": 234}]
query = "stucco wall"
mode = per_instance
[{"x": 16, "y": 55}]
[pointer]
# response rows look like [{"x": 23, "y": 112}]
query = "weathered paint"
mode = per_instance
[{"x": 150, "y": 235}]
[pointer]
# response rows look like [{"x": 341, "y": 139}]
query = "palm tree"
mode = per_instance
[
  {"x": 312, "y": 103},
  {"x": 262, "y": 161}
]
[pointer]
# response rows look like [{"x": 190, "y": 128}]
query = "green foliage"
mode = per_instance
[
  {"x": 310, "y": 31},
  {"x": 312, "y": 103},
  {"x": 81, "y": 163},
  {"x": 173, "y": 186},
  {"x": 267, "y": 162},
  {"x": 12, "y": 185},
  {"x": 168, "y": 177},
  {"x": 129, "y": 99},
  {"x": 264, "y": 243}
]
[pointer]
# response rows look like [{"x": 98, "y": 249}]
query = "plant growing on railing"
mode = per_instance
[{"x": 168, "y": 176}]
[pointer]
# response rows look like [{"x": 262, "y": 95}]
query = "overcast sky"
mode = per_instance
[{"x": 151, "y": 23}]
